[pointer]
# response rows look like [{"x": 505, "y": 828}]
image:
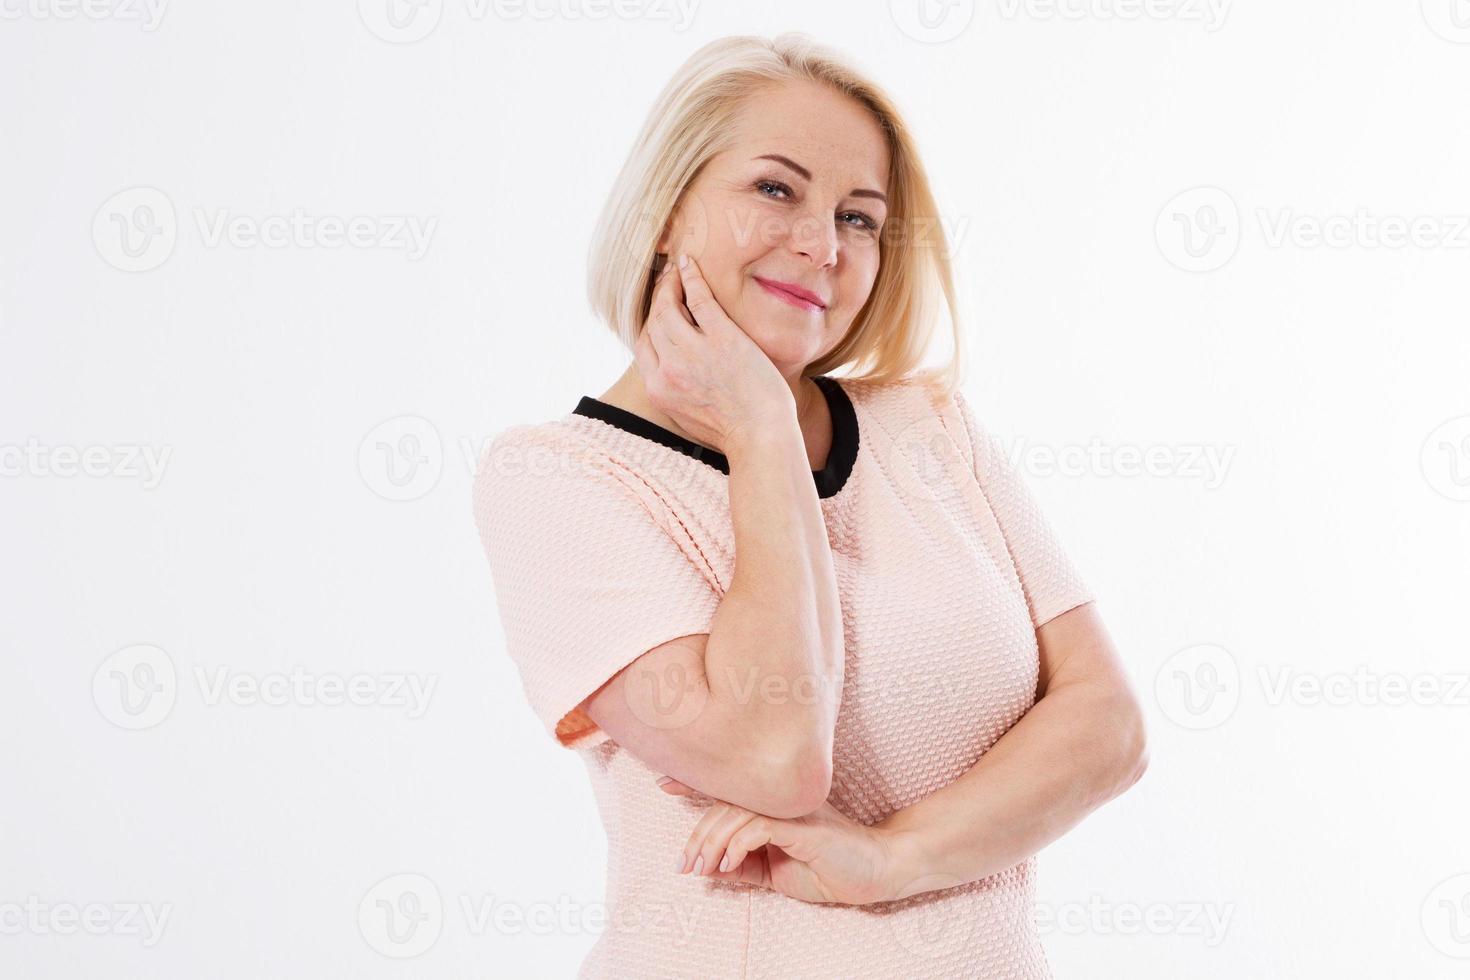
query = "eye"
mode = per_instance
[
  {"x": 864, "y": 221},
  {"x": 762, "y": 184}
]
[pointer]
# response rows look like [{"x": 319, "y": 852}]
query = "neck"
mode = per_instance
[{"x": 629, "y": 393}]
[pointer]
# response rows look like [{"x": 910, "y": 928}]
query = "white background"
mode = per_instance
[{"x": 314, "y": 412}]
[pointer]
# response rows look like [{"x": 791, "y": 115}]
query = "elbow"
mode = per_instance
[
  {"x": 1133, "y": 746},
  {"x": 801, "y": 782}
]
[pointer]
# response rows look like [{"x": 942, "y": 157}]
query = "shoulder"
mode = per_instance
[
  {"x": 534, "y": 470},
  {"x": 566, "y": 479},
  {"x": 516, "y": 444},
  {"x": 914, "y": 408},
  {"x": 912, "y": 394}
]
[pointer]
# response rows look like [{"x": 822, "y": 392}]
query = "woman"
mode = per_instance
[{"x": 824, "y": 612}]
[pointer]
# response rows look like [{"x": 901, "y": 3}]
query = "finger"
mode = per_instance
[
  {"x": 698, "y": 299},
  {"x": 675, "y": 788},
  {"x": 752, "y": 869},
  {"x": 668, "y": 294},
  {"x": 798, "y": 840},
  {"x": 695, "y": 843},
  {"x": 667, "y": 319},
  {"x": 754, "y": 834},
  {"x": 712, "y": 852},
  {"x": 707, "y": 842},
  {"x": 661, "y": 334}
]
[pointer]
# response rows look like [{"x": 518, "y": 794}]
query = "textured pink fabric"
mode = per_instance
[{"x": 603, "y": 543}]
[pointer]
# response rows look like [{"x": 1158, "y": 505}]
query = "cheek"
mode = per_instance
[
  {"x": 699, "y": 228},
  {"x": 862, "y": 273},
  {"x": 751, "y": 226}
]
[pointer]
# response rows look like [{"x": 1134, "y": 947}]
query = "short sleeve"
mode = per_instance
[
  {"x": 1049, "y": 579},
  {"x": 590, "y": 571}
]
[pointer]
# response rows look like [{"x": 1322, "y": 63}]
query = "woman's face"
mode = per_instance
[{"x": 810, "y": 220}]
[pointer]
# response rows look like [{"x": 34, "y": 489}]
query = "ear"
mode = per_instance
[{"x": 674, "y": 229}]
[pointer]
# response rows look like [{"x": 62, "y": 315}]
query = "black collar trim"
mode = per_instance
[{"x": 829, "y": 479}]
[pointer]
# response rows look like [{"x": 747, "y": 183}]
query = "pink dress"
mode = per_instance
[{"x": 608, "y": 535}]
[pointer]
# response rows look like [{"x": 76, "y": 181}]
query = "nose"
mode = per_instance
[{"x": 815, "y": 236}]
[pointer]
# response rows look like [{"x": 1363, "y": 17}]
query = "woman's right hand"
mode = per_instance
[{"x": 700, "y": 368}]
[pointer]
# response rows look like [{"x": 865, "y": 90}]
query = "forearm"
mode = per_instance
[
  {"x": 1077, "y": 748},
  {"x": 776, "y": 646}
]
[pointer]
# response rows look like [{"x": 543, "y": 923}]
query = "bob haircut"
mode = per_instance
[{"x": 691, "y": 121}]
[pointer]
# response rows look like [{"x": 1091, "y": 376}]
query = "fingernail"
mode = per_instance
[
  {"x": 665, "y": 779},
  {"x": 683, "y": 261},
  {"x": 699, "y": 864},
  {"x": 725, "y": 863}
]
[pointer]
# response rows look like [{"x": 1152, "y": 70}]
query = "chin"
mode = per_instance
[{"x": 788, "y": 357}]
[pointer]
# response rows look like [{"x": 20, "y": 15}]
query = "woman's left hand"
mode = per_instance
[{"x": 821, "y": 857}]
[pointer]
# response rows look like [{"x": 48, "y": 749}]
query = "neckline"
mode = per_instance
[{"x": 831, "y": 478}]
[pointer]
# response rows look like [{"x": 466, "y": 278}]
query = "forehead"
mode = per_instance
[{"x": 831, "y": 134}]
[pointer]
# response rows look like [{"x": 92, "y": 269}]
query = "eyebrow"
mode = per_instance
[{"x": 807, "y": 174}]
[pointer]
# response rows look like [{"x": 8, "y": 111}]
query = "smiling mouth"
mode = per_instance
[{"x": 800, "y": 302}]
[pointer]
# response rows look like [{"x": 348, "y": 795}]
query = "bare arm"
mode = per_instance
[
  {"x": 746, "y": 712},
  {"x": 1082, "y": 744}
]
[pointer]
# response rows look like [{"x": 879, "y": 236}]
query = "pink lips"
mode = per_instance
[{"x": 792, "y": 293}]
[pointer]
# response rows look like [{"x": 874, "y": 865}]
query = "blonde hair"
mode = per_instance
[{"x": 691, "y": 121}]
